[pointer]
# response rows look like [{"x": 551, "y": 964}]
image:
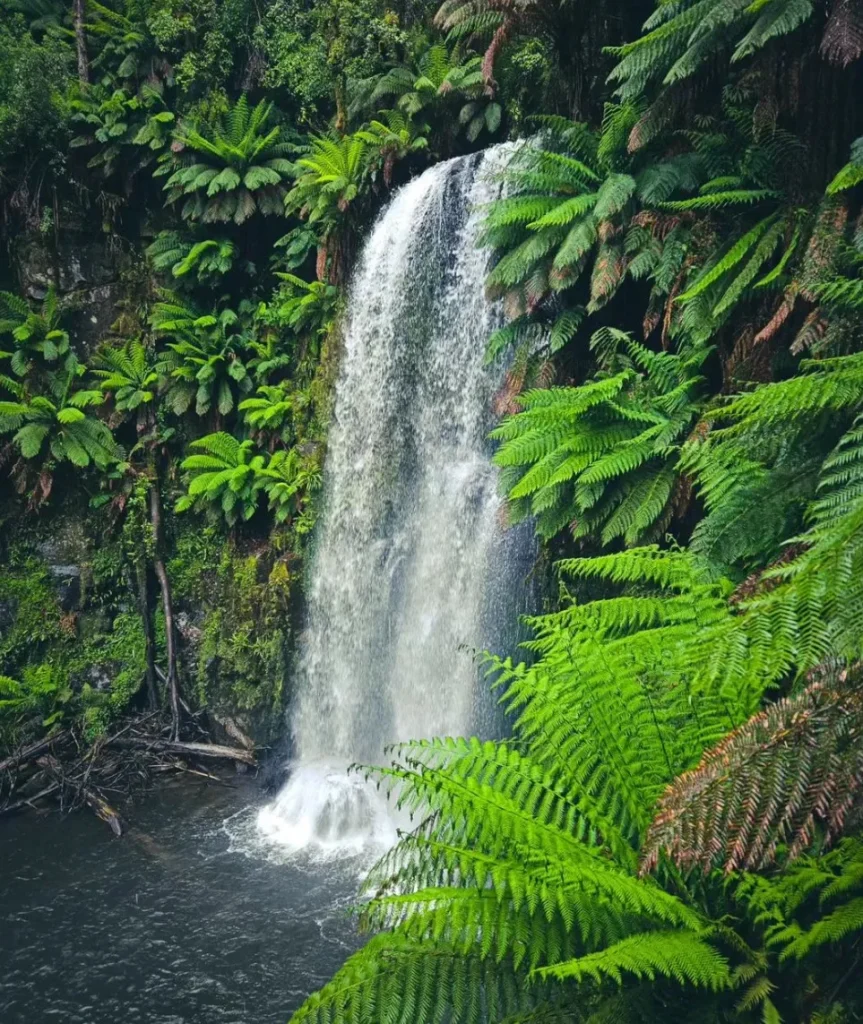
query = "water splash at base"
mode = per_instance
[{"x": 329, "y": 813}]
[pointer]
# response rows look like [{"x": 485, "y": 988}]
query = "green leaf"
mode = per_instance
[{"x": 225, "y": 181}]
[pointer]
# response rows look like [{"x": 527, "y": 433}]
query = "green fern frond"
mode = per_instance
[{"x": 684, "y": 956}]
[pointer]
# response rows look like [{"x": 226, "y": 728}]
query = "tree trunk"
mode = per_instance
[
  {"x": 167, "y": 607},
  {"x": 341, "y": 104},
  {"x": 149, "y": 637},
  {"x": 81, "y": 42}
]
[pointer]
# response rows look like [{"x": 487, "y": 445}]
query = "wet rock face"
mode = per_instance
[
  {"x": 68, "y": 579},
  {"x": 68, "y": 544},
  {"x": 97, "y": 312},
  {"x": 65, "y": 553},
  {"x": 82, "y": 263},
  {"x": 190, "y": 626},
  {"x": 100, "y": 677},
  {"x": 87, "y": 275}
]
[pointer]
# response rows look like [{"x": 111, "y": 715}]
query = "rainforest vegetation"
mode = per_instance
[{"x": 672, "y": 829}]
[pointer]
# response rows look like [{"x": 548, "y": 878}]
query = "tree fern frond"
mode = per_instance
[{"x": 684, "y": 956}]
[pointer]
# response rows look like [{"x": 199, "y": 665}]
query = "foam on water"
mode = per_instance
[{"x": 327, "y": 810}]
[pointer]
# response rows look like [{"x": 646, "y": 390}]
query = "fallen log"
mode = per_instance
[
  {"x": 25, "y": 754},
  {"x": 178, "y": 766},
  {"x": 102, "y": 809},
  {"x": 211, "y": 750},
  {"x": 30, "y": 801}
]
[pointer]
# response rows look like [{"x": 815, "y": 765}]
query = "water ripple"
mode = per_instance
[{"x": 188, "y": 919}]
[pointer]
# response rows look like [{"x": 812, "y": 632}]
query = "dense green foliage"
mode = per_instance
[{"x": 672, "y": 829}]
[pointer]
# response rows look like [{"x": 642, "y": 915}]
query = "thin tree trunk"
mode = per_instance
[
  {"x": 55, "y": 253},
  {"x": 341, "y": 104},
  {"x": 149, "y": 637},
  {"x": 167, "y": 607},
  {"x": 81, "y": 42}
]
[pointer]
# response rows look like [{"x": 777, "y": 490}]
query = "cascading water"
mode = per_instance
[{"x": 413, "y": 571}]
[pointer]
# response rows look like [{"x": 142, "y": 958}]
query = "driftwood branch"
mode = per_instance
[
  {"x": 102, "y": 809},
  {"x": 178, "y": 766},
  {"x": 211, "y": 750},
  {"x": 30, "y": 801},
  {"x": 76, "y": 773},
  {"x": 31, "y": 752},
  {"x": 95, "y": 801}
]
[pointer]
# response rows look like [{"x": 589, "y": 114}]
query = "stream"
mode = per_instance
[{"x": 190, "y": 918}]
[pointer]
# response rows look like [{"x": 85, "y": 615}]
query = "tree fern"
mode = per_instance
[
  {"x": 393, "y": 138},
  {"x": 204, "y": 361},
  {"x": 228, "y": 477},
  {"x": 523, "y": 857},
  {"x": 54, "y": 426},
  {"x": 815, "y": 902},
  {"x": 37, "y": 336},
  {"x": 128, "y": 374},
  {"x": 439, "y": 84},
  {"x": 682, "y": 38},
  {"x": 329, "y": 179},
  {"x": 229, "y": 168},
  {"x": 601, "y": 455},
  {"x": 757, "y": 469},
  {"x": 796, "y": 768},
  {"x": 203, "y": 261}
]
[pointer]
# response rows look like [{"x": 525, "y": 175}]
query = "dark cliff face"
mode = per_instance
[{"x": 84, "y": 268}]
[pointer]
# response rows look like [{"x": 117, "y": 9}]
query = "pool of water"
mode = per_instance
[{"x": 193, "y": 917}]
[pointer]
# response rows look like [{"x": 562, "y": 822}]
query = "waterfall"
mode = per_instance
[{"x": 413, "y": 571}]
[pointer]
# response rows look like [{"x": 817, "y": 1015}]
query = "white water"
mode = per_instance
[{"x": 412, "y": 570}]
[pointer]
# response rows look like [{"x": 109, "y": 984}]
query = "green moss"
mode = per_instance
[
  {"x": 196, "y": 550},
  {"x": 58, "y": 684},
  {"x": 32, "y": 613},
  {"x": 106, "y": 575},
  {"x": 241, "y": 600},
  {"x": 118, "y": 653},
  {"x": 86, "y": 664}
]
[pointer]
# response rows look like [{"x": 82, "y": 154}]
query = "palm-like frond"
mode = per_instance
[
  {"x": 229, "y": 168},
  {"x": 681, "y": 39},
  {"x": 524, "y": 857},
  {"x": 54, "y": 426},
  {"x": 201, "y": 261},
  {"x": 37, "y": 336},
  {"x": 229, "y": 476},
  {"x": 601, "y": 456},
  {"x": 127, "y": 373},
  {"x": 793, "y": 772},
  {"x": 328, "y": 180},
  {"x": 205, "y": 358}
]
